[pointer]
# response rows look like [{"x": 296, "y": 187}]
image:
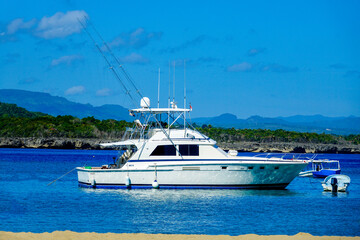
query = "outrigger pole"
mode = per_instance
[
  {"x": 108, "y": 62},
  {"x": 129, "y": 79},
  {"x": 127, "y": 76}
]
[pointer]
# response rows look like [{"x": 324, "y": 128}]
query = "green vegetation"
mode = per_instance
[
  {"x": 61, "y": 126},
  {"x": 71, "y": 127},
  {"x": 18, "y": 122},
  {"x": 12, "y": 110},
  {"x": 264, "y": 135}
]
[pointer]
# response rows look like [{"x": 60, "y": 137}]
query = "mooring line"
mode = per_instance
[{"x": 61, "y": 176}]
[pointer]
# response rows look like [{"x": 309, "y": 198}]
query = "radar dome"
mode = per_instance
[{"x": 145, "y": 102}]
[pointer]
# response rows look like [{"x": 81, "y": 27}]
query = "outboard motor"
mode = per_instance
[{"x": 334, "y": 184}]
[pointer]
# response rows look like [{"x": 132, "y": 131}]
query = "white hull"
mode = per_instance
[
  {"x": 191, "y": 175},
  {"x": 340, "y": 189},
  {"x": 342, "y": 182}
]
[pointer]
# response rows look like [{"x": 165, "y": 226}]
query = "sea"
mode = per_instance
[{"x": 29, "y": 204}]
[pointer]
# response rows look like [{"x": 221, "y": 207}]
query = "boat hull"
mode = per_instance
[
  {"x": 328, "y": 188},
  {"x": 325, "y": 172},
  {"x": 223, "y": 176}
]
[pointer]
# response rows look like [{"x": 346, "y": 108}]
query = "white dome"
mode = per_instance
[
  {"x": 233, "y": 152},
  {"x": 145, "y": 102}
]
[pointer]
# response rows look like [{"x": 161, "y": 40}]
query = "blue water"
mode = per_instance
[{"x": 28, "y": 204}]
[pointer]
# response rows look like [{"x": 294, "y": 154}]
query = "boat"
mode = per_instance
[
  {"x": 163, "y": 150},
  {"x": 336, "y": 183},
  {"x": 321, "y": 168}
]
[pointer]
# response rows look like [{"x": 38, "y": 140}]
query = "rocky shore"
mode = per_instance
[{"x": 90, "y": 143}]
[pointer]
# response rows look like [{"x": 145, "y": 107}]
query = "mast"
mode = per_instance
[
  {"x": 184, "y": 97},
  {"x": 174, "y": 87},
  {"x": 169, "y": 97},
  {"x": 159, "y": 90}
]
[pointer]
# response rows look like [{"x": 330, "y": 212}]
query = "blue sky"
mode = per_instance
[{"x": 267, "y": 58}]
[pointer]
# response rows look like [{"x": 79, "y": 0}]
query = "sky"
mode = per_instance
[{"x": 266, "y": 58}]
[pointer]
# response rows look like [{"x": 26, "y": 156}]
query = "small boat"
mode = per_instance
[
  {"x": 321, "y": 168},
  {"x": 336, "y": 183}
]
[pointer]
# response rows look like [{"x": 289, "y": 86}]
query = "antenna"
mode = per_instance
[
  {"x": 169, "y": 85},
  {"x": 174, "y": 87},
  {"x": 184, "y": 84},
  {"x": 159, "y": 90},
  {"x": 184, "y": 97},
  {"x": 169, "y": 96}
]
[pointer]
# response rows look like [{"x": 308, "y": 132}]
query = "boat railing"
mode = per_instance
[{"x": 286, "y": 156}]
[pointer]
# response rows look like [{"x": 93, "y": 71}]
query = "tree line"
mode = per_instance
[
  {"x": 279, "y": 135},
  {"x": 18, "y": 122}
]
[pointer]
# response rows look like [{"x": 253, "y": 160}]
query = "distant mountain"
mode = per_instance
[
  {"x": 12, "y": 110},
  {"x": 300, "y": 123},
  {"x": 312, "y": 118},
  {"x": 46, "y": 103}
]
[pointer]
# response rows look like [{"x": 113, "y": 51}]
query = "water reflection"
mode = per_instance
[
  {"x": 329, "y": 194},
  {"x": 191, "y": 194}
]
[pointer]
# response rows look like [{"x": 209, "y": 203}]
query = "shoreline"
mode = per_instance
[
  {"x": 143, "y": 236},
  {"x": 260, "y": 147}
]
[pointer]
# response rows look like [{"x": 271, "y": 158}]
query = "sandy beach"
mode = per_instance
[{"x": 69, "y": 235}]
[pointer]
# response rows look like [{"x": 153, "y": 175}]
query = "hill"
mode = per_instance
[
  {"x": 299, "y": 123},
  {"x": 12, "y": 110},
  {"x": 52, "y": 105}
]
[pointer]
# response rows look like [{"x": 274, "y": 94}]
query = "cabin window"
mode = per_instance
[
  {"x": 223, "y": 167},
  {"x": 262, "y": 167},
  {"x": 189, "y": 150},
  {"x": 276, "y": 167},
  {"x": 164, "y": 150},
  {"x": 250, "y": 168}
]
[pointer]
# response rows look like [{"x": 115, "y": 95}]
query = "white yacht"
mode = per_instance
[{"x": 164, "y": 151}]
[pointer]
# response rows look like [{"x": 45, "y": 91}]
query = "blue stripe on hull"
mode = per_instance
[
  {"x": 325, "y": 172},
  {"x": 203, "y": 160},
  {"x": 166, "y": 186}
]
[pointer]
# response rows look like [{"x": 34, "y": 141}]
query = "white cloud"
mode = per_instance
[
  {"x": 136, "y": 39},
  {"x": 241, "y": 67},
  {"x": 60, "y": 24},
  {"x": 261, "y": 67},
  {"x": 66, "y": 60},
  {"x": 278, "y": 68},
  {"x": 75, "y": 90},
  {"x": 255, "y": 51},
  {"x": 19, "y": 24},
  {"x": 134, "y": 58},
  {"x": 103, "y": 92}
]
